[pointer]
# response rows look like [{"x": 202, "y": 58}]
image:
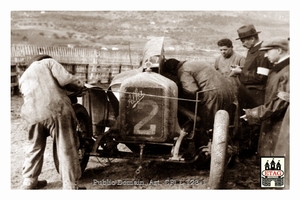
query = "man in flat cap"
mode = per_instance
[
  {"x": 253, "y": 77},
  {"x": 273, "y": 115}
]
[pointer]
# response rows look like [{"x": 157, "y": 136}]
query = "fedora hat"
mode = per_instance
[{"x": 247, "y": 31}]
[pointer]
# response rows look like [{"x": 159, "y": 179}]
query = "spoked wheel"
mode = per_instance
[
  {"x": 219, "y": 149},
  {"x": 84, "y": 131}
]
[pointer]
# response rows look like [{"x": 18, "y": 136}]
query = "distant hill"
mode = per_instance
[{"x": 183, "y": 30}]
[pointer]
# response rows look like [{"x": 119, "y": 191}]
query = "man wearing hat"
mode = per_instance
[
  {"x": 252, "y": 80},
  {"x": 254, "y": 74},
  {"x": 273, "y": 115}
]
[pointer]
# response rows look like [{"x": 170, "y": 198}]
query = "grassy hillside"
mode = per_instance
[{"x": 183, "y": 31}]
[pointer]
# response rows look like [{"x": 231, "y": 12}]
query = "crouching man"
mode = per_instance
[{"x": 216, "y": 92}]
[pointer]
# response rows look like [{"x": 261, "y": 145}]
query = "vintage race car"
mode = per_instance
[{"x": 140, "y": 110}]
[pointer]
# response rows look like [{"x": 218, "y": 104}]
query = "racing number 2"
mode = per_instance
[{"x": 138, "y": 126}]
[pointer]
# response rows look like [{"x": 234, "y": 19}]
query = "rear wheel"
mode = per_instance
[
  {"x": 219, "y": 149},
  {"x": 84, "y": 131}
]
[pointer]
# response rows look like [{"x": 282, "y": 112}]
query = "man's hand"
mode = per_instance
[
  {"x": 244, "y": 117},
  {"x": 75, "y": 86},
  {"x": 235, "y": 70}
]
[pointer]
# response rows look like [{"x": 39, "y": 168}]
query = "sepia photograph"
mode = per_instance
[{"x": 150, "y": 99}]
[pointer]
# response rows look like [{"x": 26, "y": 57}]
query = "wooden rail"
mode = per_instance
[
  {"x": 23, "y": 53},
  {"x": 88, "y": 64},
  {"x": 85, "y": 63}
]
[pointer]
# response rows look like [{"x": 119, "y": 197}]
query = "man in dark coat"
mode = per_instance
[
  {"x": 252, "y": 82},
  {"x": 274, "y": 111},
  {"x": 254, "y": 73}
]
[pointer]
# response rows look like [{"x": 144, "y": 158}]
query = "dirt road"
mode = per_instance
[{"x": 119, "y": 173}]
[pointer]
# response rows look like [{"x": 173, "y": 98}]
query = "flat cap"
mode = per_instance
[{"x": 277, "y": 42}]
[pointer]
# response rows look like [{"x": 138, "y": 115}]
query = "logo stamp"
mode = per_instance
[{"x": 272, "y": 172}]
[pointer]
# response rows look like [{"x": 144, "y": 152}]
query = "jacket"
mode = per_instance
[
  {"x": 43, "y": 87},
  {"x": 216, "y": 92},
  {"x": 272, "y": 113},
  {"x": 249, "y": 75}
]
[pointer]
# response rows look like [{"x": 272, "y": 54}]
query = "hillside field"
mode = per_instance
[{"x": 187, "y": 31}]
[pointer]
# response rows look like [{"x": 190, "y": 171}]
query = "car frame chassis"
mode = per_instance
[{"x": 148, "y": 126}]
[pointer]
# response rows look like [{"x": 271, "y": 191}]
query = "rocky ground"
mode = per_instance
[{"x": 119, "y": 173}]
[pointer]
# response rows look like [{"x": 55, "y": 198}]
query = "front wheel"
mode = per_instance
[
  {"x": 84, "y": 131},
  {"x": 219, "y": 149}
]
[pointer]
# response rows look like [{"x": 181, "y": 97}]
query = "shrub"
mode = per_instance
[
  {"x": 56, "y": 36},
  {"x": 25, "y": 38}
]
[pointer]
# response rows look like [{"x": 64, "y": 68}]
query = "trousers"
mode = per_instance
[{"x": 62, "y": 129}]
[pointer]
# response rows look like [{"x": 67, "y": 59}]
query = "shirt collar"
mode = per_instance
[
  {"x": 257, "y": 43},
  {"x": 282, "y": 59},
  {"x": 255, "y": 48},
  {"x": 280, "y": 65}
]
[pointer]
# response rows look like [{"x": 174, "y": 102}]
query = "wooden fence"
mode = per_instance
[
  {"x": 85, "y": 63},
  {"x": 88, "y": 64},
  {"x": 21, "y": 54}
]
